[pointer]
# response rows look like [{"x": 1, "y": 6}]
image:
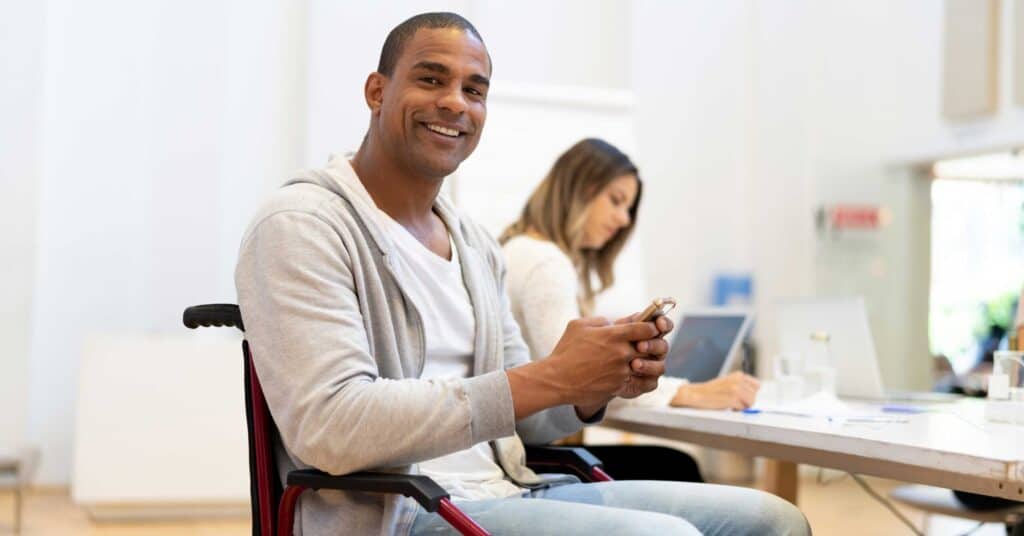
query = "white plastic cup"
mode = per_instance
[
  {"x": 1010, "y": 363},
  {"x": 820, "y": 379},
  {"x": 788, "y": 368}
]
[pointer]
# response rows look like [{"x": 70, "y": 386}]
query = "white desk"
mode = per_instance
[{"x": 954, "y": 448}]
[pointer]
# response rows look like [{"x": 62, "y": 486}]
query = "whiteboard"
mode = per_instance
[{"x": 527, "y": 128}]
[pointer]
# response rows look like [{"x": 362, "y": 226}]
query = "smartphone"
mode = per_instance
[{"x": 658, "y": 307}]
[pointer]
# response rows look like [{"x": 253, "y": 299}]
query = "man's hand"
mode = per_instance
[
  {"x": 595, "y": 358},
  {"x": 592, "y": 362},
  {"x": 650, "y": 364},
  {"x": 735, "y": 391}
]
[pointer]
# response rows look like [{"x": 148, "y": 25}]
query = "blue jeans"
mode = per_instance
[{"x": 629, "y": 507}]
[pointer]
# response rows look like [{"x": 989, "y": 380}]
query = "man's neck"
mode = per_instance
[{"x": 407, "y": 198}]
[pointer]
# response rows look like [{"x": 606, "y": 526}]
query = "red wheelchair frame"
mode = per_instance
[{"x": 267, "y": 496}]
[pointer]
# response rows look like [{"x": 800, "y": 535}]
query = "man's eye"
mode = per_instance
[
  {"x": 474, "y": 91},
  {"x": 431, "y": 80}
]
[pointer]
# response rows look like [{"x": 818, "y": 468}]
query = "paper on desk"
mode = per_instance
[
  {"x": 820, "y": 404},
  {"x": 825, "y": 405}
]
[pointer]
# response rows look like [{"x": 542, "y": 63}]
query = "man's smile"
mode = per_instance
[{"x": 443, "y": 130}]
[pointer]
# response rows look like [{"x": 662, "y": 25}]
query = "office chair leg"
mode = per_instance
[
  {"x": 459, "y": 520},
  {"x": 286, "y": 511}
]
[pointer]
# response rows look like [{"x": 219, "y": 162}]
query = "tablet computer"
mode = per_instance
[{"x": 706, "y": 343}]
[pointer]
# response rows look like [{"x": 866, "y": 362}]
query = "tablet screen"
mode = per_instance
[{"x": 701, "y": 346}]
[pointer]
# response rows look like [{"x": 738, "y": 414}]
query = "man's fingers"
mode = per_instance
[
  {"x": 647, "y": 367},
  {"x": 633, "y": 331},
  {"x": 644, "y": 384},
  {"x": 591, "y": 321},
  {"x": 663, "y": 324},
  {"x": 657, "y": 347},
  {"x": 653, "y": 368}
]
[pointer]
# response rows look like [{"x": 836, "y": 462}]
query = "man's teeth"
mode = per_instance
[{"x": 442, "y": 130}]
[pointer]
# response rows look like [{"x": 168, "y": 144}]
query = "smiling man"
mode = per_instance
[{"x": 383, "y": 337}]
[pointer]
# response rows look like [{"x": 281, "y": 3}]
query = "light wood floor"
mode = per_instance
[
  {"x": 51, "y": 513},
  {"x": 838, "y": 508}
]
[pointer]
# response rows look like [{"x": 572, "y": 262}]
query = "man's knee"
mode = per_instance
[
  {"x": 779, "y": 516},
  {"x": 653, "y": 523}
]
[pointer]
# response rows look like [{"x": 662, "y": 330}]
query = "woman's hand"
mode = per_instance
[{"x": 735, "y": 391}]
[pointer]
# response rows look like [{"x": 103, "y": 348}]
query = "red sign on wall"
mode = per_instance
[{"x": 863, "y": 217}]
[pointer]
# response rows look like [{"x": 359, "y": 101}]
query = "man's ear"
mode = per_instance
[{"x": 373, "y": 91}]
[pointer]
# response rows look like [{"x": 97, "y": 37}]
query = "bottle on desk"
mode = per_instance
[
  {"x": 788, "y": 380},
  {"x": 819, "y": 369},
  {"x": 1005, "y": 390}
]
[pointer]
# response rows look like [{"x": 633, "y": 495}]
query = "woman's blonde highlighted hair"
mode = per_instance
[{"x": 557, "y": 211}]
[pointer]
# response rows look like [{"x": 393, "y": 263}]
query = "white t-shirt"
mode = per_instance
[
  {"x": 542, "y": 288},
  {"x": 438, "y": 292}
]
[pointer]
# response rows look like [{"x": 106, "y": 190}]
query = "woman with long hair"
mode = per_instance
[{"x": 561, "y": 253}]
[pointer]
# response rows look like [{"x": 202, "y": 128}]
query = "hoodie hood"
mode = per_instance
[{"x": 340, "y": 178}]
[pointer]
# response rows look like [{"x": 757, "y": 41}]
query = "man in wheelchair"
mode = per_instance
[{"x": 383, "y": 338}]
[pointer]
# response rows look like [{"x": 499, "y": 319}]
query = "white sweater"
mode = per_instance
[{"x": 542, "y": 287}]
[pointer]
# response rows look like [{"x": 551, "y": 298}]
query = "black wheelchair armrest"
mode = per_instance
[
  {"x": 421, "y": 488},
  {"x": 213, "y": 315},
  {"x": 575, "y": 459}
]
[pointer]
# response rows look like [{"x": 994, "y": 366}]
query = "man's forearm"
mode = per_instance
[{"x": 535, "y": 389}]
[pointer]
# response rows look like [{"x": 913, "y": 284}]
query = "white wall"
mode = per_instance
[
  {"x": 155, "y": 149},
  {"x": 578, "y": 42},
  {"x": 879, "y": 97},
  {"x": 565, "y": 43},
  {"x": 754, "y": 113},
  {"x": 723, "y": 137},
  {"x": 21, "y": 29}
]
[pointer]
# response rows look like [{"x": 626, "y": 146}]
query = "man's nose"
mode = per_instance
[{"x": 453, "y": 100}]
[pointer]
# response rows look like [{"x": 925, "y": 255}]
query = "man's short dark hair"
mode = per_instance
[{"x": 401, "y": 34}]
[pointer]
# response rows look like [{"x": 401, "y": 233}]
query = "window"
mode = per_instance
[{"x": 977, "y": 264}]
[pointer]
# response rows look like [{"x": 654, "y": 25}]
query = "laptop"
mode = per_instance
[
  {"x": 707, "y": 343},
  {"x": 851, "y": 346}
]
